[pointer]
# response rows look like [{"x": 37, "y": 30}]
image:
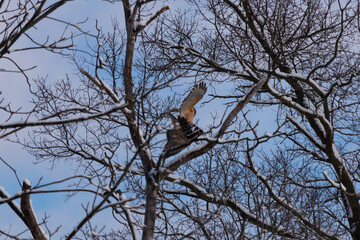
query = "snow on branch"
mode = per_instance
[
  {"x": 333, "y": 183},
  {"x": 197, "y": 192},
  {"x": 176, "y": 160},
  {"x": 102, "y": 85},
  {"x": 303, "y": 78},
  {"x": 288, "y": 101},
  {"x": 304, "y": 131},
  {"x": 13, "y": 205},
  {"x": 205, "y": 62},
  {"x": 287, "y": 205},
  {"x": 33, "y": 123},
  {"x": 29, "y": 214},
  {"x": 140, "y": 25},
  {"x": 126, "y": 208}
]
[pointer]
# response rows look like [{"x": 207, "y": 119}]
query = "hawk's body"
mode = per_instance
[
  {"x": 176, "y": 141},
  {"x": 184, "y": 131},
  {"x": 181, "y": 136}
]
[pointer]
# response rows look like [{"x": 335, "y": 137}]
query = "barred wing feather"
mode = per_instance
[{"x": 187, "y": 107}]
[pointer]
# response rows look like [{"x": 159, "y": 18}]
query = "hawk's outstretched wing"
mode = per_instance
[{"x": 187, "y": 109}]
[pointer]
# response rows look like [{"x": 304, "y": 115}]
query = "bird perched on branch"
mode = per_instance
[{"x": 184, "y": 131}]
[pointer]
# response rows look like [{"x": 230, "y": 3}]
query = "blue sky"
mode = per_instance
[{"x": 15, "y": 90}]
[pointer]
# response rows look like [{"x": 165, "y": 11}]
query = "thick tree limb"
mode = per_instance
[{"x": 29, "y": 214}]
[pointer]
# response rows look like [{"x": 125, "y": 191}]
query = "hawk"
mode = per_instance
[{"x": 184, "y": 131}]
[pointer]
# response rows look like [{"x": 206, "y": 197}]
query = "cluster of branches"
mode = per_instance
[{"x": 298, "y": 180}]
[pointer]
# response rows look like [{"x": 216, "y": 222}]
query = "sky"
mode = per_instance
[
  {"x": 62, "y": 211},
  {"x": 15, "y": 90}
]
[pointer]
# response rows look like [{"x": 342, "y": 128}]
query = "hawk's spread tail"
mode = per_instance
[{"x": 191, "y": 131}]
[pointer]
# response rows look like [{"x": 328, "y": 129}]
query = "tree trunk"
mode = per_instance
[{"x": 150, "y": 211}]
